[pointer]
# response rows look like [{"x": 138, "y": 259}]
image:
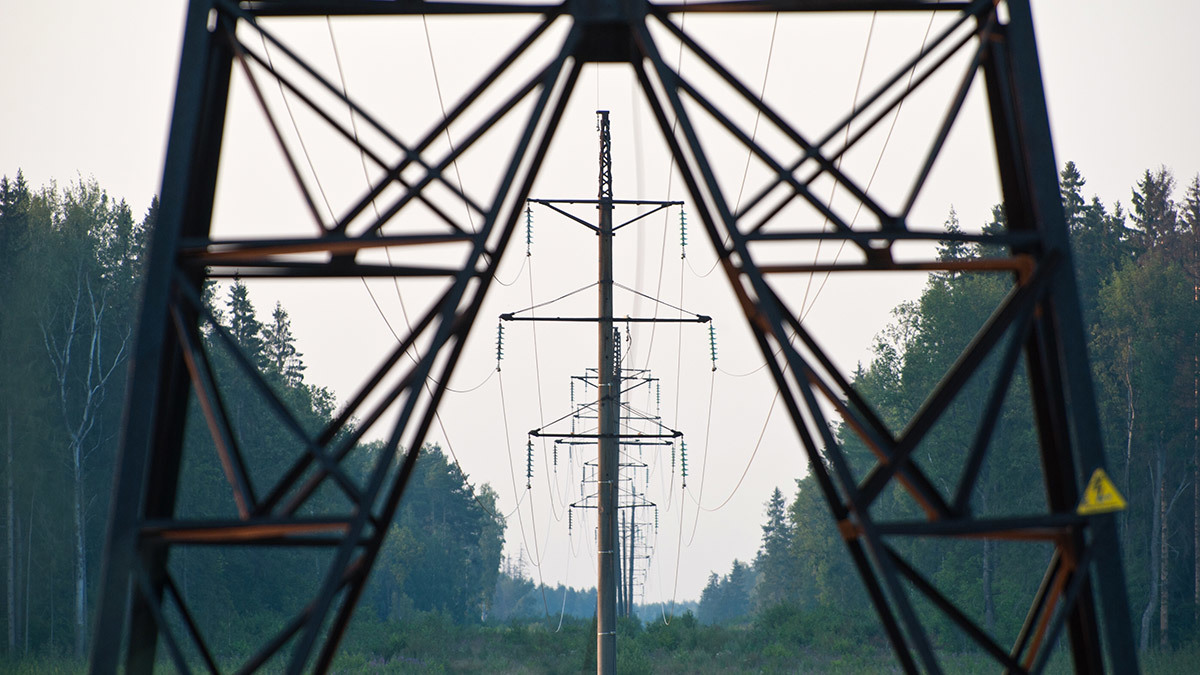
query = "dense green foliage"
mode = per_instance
[
  {"x": 71, "y": 258},
  {"x": 1138, "y": 275},
  {"x": 441, "y": 598},
  {"x": 69, "y": 290}
]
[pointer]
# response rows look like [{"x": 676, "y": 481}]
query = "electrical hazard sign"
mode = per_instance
[{"x": 1100, "y": 496}]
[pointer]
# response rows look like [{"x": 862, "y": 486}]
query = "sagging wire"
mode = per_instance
[
  {"x": 749, "y": 462},
  {"x": 328, "y": 206},
  {"x": 362, "y": 158},
  {"x": 704, "y": 460},
  {"x": 678, "y": 556},
  {"x": 535, "y": 558},
  {"x": 805, "y": 311},
  {"x": 513, "y": 474},
  {"x": 437, "y": 85},
  {"x": 762, "y": 93},
  {"x": 566, "y": 588},
  {"x": 551, "y": 486},
  {"x": 896, "y": 117}
]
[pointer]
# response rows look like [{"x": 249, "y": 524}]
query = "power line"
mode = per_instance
[
  {"x": 662, "y": 257},
  {"x": 749, "y": 462},
  {"x": 704, "y": 458},
  {"x": 395, "y": 281},
  {"x": 753, "y": 136},
  {"x": 895, "y": 117},
  {"x": 513, "y": 474}
]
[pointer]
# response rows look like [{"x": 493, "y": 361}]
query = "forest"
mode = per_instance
[
  {"x": 443, "y": 597},
  {"x": 1138, "y": 271}
]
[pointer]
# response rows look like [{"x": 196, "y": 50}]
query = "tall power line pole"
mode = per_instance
[
  {"x": 609, "y": 404},
  {"x": 614, "y": 577}
]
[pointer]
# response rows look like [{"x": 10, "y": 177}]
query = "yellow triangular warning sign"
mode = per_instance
[{"x": 1100, "y": 496}]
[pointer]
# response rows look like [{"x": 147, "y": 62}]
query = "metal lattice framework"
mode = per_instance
[{"x": 142, "y": 607}]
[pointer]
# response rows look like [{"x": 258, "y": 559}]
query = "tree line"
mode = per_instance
[
  {"x": 69, "y": 290},
  {"x": 69, "y": 295},
  {"x": 1138, "y": 271}
]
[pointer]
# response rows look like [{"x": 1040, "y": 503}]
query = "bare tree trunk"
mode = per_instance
[
  {"x": 18, "y": 598},
  {"x": 1163, "y": 554},
  {"x": 82, "y": 324},
  {"x": 1195, "y": 470},
  {"x": 1132, "y": 416},
  {"x": 1156, "y": 481},
  {"x": 10, "y": 522},
  {"x": 989, "y": 601},
  {"x": 80, "y": 554},
  {"x": 28, "y": 568}
]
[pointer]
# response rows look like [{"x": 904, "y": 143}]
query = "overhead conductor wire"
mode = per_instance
[
  {"x": 329, "y": 207},
  {"x": 805, "y": 311},
  {"x": 535, "y": 557},
  {"x": 653, "y": 330},
  {"x": 500, "y": 376},
  {"x": 684, "y": 262},
  {"x": 895, "y": 117},
  {"x": 551, "y": 485},
  {"x": 395, "y": 281}
]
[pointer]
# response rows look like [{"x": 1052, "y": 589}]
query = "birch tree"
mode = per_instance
[{"x": 84, "y": 358}]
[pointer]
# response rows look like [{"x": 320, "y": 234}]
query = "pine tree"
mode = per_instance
[
  {"x": 280, "y": 347},
  {"x": 1154, "y": 211},
  {"x": 1189, "y": 230},
  {"x": 953, "y": 250},
  {"x": 244, "y": 325},
  {"x": 14, "y": 240},
  {"x": 772, "y": 561},
  {"x": 1070, "y": 185}
]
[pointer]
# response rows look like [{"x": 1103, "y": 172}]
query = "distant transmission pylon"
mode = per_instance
[
  {"x": 613, "y": 588},
  {"x": 638, "y": 430}
]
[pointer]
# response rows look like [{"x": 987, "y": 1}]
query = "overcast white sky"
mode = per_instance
[{"x": 87, "y": 90}]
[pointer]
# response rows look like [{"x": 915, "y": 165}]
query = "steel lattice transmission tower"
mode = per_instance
[{"x": 141, "y": 605}]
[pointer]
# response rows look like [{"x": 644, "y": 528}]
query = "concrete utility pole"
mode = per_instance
[
  {"x": 609, "y": 412},
  {"x": 615, "y": 561}
]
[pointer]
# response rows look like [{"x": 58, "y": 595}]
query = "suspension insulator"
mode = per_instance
[
  {"x": 683, "y": 461},
  {"x": 658, "y": 398},
  {"x": 655, "y": 520},
  {"x": 682, "y": 234},
  {"x": 556, "y": 455},
  {"x": 672, "y": 458},
  {"x": 499, "y": 343},
  {"x": 712, "y": 344},
  {"x": 528, "y": 230},
  {"x": 570, "y": 520},
  {"x": 529, "y": 464}
]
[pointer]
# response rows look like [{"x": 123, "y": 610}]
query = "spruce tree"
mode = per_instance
[
  {"x": 244, "y": 324},
  {"x": 280, "y": 348},
  {"x": 1154, "y": 211}
]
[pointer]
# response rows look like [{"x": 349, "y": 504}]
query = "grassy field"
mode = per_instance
[{"x": 432, "y": 644}]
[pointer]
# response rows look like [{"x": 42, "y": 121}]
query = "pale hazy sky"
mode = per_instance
[{"x": 87, "y": 90}]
